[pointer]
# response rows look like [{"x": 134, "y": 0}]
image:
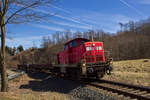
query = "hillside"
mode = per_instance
[
  {"x": 131, "y": 71},
  {"x": 19, "y": 58}
]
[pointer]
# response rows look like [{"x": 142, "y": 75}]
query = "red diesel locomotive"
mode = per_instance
[{"x": 82, "y": 58}]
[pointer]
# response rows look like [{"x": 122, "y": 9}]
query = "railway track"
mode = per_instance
[{"x": 128, "y": 90}]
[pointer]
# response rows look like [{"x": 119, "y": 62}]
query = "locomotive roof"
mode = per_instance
[{"x": 77, "y": 39}]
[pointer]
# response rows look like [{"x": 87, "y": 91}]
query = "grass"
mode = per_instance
[
  {"x": 44, "y": 96},
  {"x": 34, "y": 96},
  {"x": 15, "y": 93},
  {"x": 6, "y": 98},
  {"x": 131, "y": 71}
]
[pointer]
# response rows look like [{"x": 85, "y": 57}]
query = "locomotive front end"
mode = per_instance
[{"x": 97, "y": 64}]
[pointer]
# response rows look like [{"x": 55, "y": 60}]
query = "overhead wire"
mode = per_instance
[{"x": 132, "y": 7}]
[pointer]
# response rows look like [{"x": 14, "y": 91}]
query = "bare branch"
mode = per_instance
[{"x": 20, "y": 11}]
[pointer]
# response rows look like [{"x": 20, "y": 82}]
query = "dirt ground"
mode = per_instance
[
  {"x": 28, "y": 87},
  {"x": 131, "y": 71}
]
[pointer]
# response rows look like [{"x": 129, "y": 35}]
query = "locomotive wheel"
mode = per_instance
[
  {"x": 73, "y": 74},
  {"x": 99, "y": 75},
  {"x": 78, "y": 74},
  {"x": 66, "y": 75}
]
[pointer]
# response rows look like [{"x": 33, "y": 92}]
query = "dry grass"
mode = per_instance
[
  {"x": 15, "y": 93},
  {"x": 35, "y": 96},
  {"x": 131, "y": 71}
]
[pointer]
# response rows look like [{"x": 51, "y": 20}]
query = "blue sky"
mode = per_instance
[{"x": 78, "y": 15}]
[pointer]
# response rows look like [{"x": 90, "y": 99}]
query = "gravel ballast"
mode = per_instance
[{"x": 87, "y": 94}]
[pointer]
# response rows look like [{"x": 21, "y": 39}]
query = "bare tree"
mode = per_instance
[{"x": 17, "y": 11}]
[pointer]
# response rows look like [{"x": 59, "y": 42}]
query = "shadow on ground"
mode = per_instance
[{"x": 45, "y": 82}]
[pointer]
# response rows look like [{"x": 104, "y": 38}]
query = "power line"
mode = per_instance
[
  {"x": 130, "y": 6},
  {"x": 69, "y": 12},
  {"x": 60, "y": 16}
]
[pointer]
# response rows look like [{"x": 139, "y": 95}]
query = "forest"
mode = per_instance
[{"x": 132, "y": 41}]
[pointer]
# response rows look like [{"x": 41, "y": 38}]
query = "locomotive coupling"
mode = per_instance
[
  {"x": 90, "y": 70},
  {"x": 109, "y": 69}
]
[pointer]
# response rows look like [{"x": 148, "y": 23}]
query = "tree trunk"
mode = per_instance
[{"x": 4, "y": 79}]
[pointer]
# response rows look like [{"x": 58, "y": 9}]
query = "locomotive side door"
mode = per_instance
[
  {"x": 70, "y": 55},
  {"x": 58, "y": 59},
  {"x": 73, "y": 47}
]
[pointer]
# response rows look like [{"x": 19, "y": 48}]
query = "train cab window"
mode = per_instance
[
  {"x": 65, "y": 47},
  {"x": 82, "y": 42},
  {"x": 88, "y": 48},
  {"x": 99, "y": 48},
  {"x": 73, "y": 44},
  {"x": 70, "y": 44}
]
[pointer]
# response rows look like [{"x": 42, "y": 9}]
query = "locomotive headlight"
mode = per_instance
[
  {"x": 93, "y": 44},
  {"x": 83, "y": 65}
]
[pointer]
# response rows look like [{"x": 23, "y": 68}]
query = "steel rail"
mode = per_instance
[
  {"x": 142, "y": 88},
  {"x": 125, "y": 89}
]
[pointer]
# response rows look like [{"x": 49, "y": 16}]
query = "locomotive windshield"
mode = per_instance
[
  {"x": 89, "y": 48},
  {"x": 83, "y": 41},
  {"x": 99, "y": 48},
  {"x": 73, "y": 44}
]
